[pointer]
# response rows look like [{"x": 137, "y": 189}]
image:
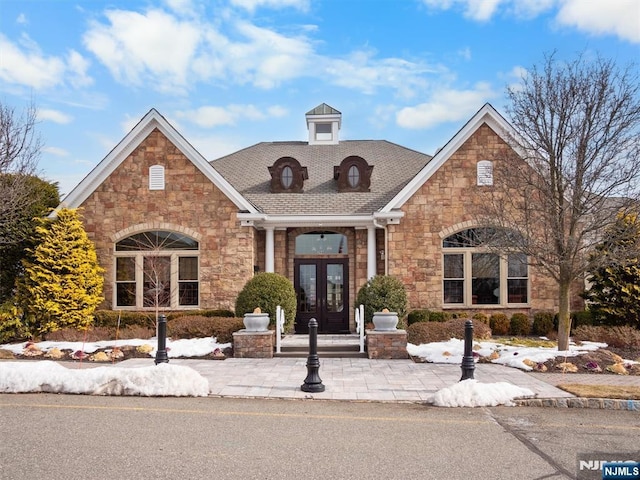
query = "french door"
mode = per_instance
[{"x": 322, "y": 289}]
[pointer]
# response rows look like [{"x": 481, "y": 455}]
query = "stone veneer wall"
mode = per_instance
[
  {"x": 445, "y": 204},
  {"x": 190, "y": 203}
]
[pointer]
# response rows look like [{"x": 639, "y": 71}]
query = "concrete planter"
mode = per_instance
[
  {"x": 256, "y": 322},
  {"x": 385, "y": 321}
]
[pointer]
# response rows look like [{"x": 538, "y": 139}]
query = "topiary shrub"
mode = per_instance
[
  {"x": 499, "y": 324},
  {"x": 519, "y": 324},
  {"x": 267, "y": 290},
  {"x": 480, "y": 317},
  {"x": 416, "y": 316},
  {"x": 380, "y": 292},
  {"x": 542, "y": 323}
]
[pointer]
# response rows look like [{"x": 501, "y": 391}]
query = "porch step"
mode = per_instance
[{"x": 329, "y": 346}]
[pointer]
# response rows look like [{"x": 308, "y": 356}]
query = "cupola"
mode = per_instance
[{"x": 323, "y": 123}]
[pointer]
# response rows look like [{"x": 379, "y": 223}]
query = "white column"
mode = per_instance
[
  {"x": 371, "y": 251},
  {"x": 268, "y": 250}
]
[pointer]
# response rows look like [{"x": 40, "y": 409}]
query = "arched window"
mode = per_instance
[
  {"x": 156, "y": 269},
  {"x": 354, "y": 176},
  {"x": 287, "y": 177},
  {"x": 321, "y": 243},
  {"x": 473, "y": 276}
]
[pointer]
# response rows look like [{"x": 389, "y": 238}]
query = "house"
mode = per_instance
[{"x": 176, "y": 230}]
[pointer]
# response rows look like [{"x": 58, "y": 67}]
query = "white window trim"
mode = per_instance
[{"x": 467, "y": 283}]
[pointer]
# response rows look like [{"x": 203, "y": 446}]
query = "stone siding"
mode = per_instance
[
  {"x": 448, "y": 202},
  {"x": 190, "y": 203}
]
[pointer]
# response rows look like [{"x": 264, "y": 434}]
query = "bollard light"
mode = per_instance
[
  {"x": 468, "y": 364},
  {"x": 313, "y": 383},
  {"x": 161, "y": 352}
]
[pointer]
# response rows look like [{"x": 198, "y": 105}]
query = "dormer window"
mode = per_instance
[
  {"x": 287, "y": 176},
  {"x": 353, "y": 175}
]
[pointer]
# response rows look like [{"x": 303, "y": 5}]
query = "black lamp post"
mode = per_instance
[
  {"x": 161, "y": 352},
  {"x": 468, "y": 364},
  {"x": 313, "y": 383}
]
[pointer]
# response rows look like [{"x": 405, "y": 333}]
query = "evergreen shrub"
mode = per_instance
[
  {"x": 418, "y": 316},
  {"x": 267, "y": 290},
  {"x": 542, "y": 323},
  {"x": 380, "y": 292},
  {"x": 499, "y": 324},
  {"x": 519, "y": 324}
]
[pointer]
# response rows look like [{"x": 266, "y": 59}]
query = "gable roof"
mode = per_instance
[
  {"x": 130, "y": 142},
  {"x": 393, "y": 167},
  {"x": 487, "y": 114}
]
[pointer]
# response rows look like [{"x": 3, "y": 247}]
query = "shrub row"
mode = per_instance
[
  {"x": 619, "y": 337},
  {"x": 427, "y": 332},
  {"x": 500, "y": 324},
  {"x": 111, "y": 318},
  {"x": 186, "y": 326}
]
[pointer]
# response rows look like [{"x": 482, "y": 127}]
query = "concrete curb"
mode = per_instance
[{"x": 578, "y": 402}]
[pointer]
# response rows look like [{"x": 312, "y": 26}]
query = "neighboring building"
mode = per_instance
[{"x": 173, "y": 229}]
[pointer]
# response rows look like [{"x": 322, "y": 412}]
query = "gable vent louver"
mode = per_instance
[{"x": 156, "y": 177}]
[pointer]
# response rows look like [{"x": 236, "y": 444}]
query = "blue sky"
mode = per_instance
[{"x": 229, "y": 74}]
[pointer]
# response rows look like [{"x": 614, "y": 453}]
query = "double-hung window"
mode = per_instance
[
  {"x": 156, "y": 269},
  {"x": 473, "y": 276}
]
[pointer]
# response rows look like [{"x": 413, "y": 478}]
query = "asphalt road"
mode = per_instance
[{"x": 86, "y": 437}]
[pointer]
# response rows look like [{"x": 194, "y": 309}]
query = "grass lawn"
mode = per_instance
[{"x": 602, "y": 391}]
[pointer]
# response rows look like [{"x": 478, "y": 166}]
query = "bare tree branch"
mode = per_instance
[
  {"x": 578, "y": 131},
  {"x": 20, "y": 147}
]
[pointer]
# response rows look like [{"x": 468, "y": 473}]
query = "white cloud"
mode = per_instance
[
  {"x": 446, "y": 106},
  {"x": 615, "y": 17},
  {"x": 618, "y": 17},
  {"x": 53, "y": 116},
  {"x": 252, "y": 5},
  {"x": 213, "y": 116},
  {"x": 28, "y": 66},
  {"x": 25, "y": 64},
  {"x": 58, "y": 152},
  {"x": 22, "y": 19},
  {"x": 362, "y": 72},
  {"x": 139, "y": 48}
]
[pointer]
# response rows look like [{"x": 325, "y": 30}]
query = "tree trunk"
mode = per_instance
[{"x": 564, "y": 316}]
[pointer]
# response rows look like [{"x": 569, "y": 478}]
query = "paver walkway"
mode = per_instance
[{"x": 347, "y": 378}]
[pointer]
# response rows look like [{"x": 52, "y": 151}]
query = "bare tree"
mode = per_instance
[
  {"x": 20, "y": 147},
  {"x": 577, "y": 129}
]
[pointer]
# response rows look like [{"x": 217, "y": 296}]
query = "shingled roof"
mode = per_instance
[{"x": 393, "y": 167}]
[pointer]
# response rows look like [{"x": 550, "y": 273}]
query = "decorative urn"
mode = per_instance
[
  {"x": 385, "y": 321},
  {"x": 256, "y": 321}
]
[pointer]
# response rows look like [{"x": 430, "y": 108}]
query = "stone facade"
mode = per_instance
[
  {"x": 387, "y": 345},
  {"x": 189, "y": 204},
  {"x": 448, "y": 202},
  {"x": 253, "y": 344}
]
